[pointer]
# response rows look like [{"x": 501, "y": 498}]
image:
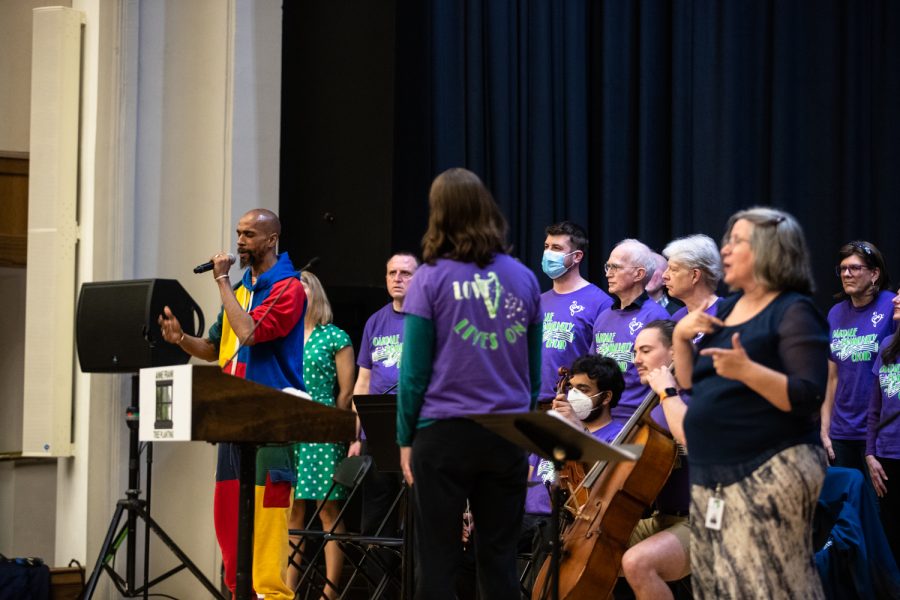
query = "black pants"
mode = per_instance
[
  {"x": 452, "y": 460},
  {"x": 890, "y": 504},
  {"x": 852, "y": 455}
]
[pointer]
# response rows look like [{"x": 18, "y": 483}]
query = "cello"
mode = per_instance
[{"x": 598, "y": 531}]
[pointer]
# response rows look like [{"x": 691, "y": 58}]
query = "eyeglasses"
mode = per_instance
[
  {"x": 609, "y": 268},
  {"x": 734, "y": 241},
  {"x": 854, "y": 269},
  {"x": 399, "y": 275}
]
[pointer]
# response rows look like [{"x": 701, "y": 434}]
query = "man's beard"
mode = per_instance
[{"x": 247, "y": 260}]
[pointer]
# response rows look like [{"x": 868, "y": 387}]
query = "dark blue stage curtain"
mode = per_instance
[{"x": 655, "y": 119}]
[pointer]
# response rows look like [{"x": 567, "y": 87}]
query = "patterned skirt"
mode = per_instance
[
  {"x": 315, "y": 468},
  {"x": 764, "y": 548}
]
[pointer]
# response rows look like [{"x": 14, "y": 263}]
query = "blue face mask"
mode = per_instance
[{"x": 553, "y": 264}]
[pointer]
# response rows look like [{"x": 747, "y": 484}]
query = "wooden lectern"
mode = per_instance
[{"x": 223, "y": 408}]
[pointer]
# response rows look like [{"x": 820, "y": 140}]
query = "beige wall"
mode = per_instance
[
  {"x": 15, "y": 70},
  {"x": 180, "y": 130},
  {"x": 27, "y": 490}
]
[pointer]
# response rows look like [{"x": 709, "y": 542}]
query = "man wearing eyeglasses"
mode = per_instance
[
  {"x": 616, "y": 328},
  {"x": 379, "y": 371}
]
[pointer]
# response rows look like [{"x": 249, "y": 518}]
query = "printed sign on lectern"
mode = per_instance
[{"x": 165, "y": 404}]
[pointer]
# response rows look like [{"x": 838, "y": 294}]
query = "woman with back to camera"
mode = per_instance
[
  {"x": 858, "y": 323},
  {"x": 327, "y": 359},
  {"x": 757, "y": 464},
  {"x": 472, "y": 345}
]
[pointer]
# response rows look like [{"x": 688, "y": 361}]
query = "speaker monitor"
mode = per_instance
[{"x": 116, "y": 329}]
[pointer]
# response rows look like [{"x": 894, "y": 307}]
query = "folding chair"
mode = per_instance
[
  {"x": 349, "y": 473},
  {"x": 385, "y": 552}
]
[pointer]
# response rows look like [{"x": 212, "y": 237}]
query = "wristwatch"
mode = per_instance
[{"x": 668, "y": 393}]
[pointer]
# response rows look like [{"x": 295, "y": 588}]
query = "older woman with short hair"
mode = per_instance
[
  {"x": 693, "y": 274},
  {"x": 757, "y": 465}
]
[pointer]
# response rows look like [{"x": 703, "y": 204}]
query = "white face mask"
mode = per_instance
[{"x": 581, "y": 403}]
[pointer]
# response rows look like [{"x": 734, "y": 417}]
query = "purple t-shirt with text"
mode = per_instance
[
  {"x": 537, "y": 498},
  {"x": 614, "y": 333},
  {"x": 380, "y": 348},
  {"x": 481, "y": 318},
  {"x": 884, "y": 408},
  {"x": 568, "y": 322},
  {"x": 855, "y": 335}
]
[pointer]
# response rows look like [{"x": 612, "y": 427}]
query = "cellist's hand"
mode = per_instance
[{"x": 661, "y": 378}]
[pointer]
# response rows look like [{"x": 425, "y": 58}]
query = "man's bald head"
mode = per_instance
[{"x": 265, "y": 220}]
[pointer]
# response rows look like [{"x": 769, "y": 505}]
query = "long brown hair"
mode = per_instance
[{"x": 464, "y": 223}]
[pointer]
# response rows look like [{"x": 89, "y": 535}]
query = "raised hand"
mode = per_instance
[
  {"x": 696, "y": 322},
  {"x": 170, "y": 327},
  {"x": 730, "y": 363}
]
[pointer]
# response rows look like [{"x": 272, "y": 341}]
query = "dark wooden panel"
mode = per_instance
[
  {"x": 230, "y": 409},
  {"x": 14, "y": 208}
]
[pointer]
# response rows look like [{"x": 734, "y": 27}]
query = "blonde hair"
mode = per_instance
[{"x": 318, "y": 308}]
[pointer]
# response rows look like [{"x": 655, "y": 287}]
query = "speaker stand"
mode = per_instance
[{"x": 134, "y": 508}]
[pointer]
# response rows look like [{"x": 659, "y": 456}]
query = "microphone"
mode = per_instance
[
  {"x": 311, "y": 262},
  {"x": 207, "y": 266}
]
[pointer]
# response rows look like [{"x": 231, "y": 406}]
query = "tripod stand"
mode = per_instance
[{"x": 137, "y": 509}]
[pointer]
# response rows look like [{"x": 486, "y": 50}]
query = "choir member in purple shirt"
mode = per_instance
[
  {"x": 570, "y": 307},
  {"x": 379, "y": 371},
  {"x": 616, "y": 328},
  {"x": 857, "y": 324},
  {"x": 883, "y": 435},
  {"x": 693, "y": 273},
  {"x": 472, "y": 345}
]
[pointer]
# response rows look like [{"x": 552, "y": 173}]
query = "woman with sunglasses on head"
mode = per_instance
[
  {"x": 757, "y": 464},
  {"x": 857, "y": 323}
]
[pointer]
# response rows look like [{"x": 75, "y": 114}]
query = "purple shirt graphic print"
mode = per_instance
[
  {"x": 380, "y": 348},
  {"x": 614, "y": 333},
  {"x": 568, "y": 322},
  {"x": 481, "y": 318}
]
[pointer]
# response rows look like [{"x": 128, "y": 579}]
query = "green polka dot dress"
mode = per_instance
[{"x": 316, "y": 462}]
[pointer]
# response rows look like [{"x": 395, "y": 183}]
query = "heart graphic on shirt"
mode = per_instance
[
  {"x": 635, "y": 326},
  {"x": 876, "y": 318},
  {"x": 575, "y": 308}
]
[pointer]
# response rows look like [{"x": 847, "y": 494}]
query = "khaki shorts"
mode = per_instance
[{"x": 678, "y": 526}]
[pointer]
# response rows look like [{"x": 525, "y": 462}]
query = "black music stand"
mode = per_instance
[
  {"x": 378, "y": 417},
  {"x": 553, "y": 437}
]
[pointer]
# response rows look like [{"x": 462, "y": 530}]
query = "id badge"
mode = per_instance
[{"x": 714, "y": 510}]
